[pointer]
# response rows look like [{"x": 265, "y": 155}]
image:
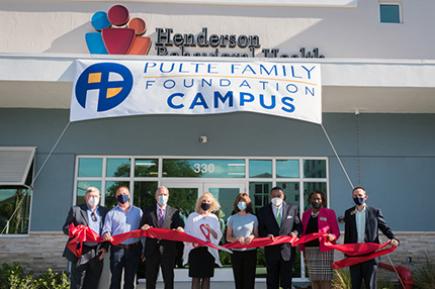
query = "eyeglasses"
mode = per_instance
[{"x": 93, "y": 217}]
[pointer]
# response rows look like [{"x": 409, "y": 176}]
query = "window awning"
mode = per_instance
[{"x": 16, "y": 165}]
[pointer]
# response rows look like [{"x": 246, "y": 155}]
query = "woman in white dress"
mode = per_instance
[{"x": 204, "y": 225}]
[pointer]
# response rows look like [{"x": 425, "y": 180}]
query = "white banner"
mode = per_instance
[{"x": 123, "y": 88}]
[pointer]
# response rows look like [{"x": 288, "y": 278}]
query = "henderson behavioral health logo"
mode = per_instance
[
  {"x": 117, "y": 33},
  {"x": 112, "y": 82}
]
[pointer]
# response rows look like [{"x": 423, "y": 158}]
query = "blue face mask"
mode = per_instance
[
  {"x": 359, "y": 201},
  {"x": 122, "y": 199},
  {"x": 162, "y": 200},
  {"x": 242, "y": 206}
]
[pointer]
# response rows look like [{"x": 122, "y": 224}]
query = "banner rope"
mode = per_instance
[
  {"x": 338, "y": 157},
  {"x": 53, "y": 148}
]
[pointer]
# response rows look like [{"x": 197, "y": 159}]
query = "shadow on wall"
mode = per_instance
[{"x": 72, "y": 41}]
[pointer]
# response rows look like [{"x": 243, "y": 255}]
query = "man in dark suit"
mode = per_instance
[
  {"x": 279, "y": 219},
  {"x": 362, "y": 225},
  {"x": 160, "y": 253},
  {"x": 86, "y": 270}
]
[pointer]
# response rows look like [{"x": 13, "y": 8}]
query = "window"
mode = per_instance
[
  {"x": 297, "y": 176},
  {"x": 204, "y": 168},
  {"x": 14, "y": 210},
  {"x": 390, "y": 13},
  {"x": 16, "y": 175}
]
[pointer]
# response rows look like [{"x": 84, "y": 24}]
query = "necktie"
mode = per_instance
[
  {"x": 278, "y": 217},
  {"x": 161, "y": 218},
  {"x": 93, "y": 217}
]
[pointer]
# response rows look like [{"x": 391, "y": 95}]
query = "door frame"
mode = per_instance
[{"x": 221, "y": 274}]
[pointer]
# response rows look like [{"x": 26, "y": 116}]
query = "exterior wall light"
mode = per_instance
[{"x": 203, "y": 139}]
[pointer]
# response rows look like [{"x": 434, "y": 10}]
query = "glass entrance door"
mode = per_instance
[
  {"x": 183, "y": 195},
  {"x": 225, "y": 193}
]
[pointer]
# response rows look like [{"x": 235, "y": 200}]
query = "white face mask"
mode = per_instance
[
  {"x": 162, "y": 200},
  {"x": 242, "y": 206},
  {"x": 276, "y": 201},
  {"x": 93, "y": 202}
]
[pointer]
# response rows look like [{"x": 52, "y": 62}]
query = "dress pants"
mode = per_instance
[
  {"x": 126, "y": 259},
  {"x": 244, "y": 265},
  {"x": 364, "y": 272},
  {"x": 86, "y": 276},
  {"x": 166, "y": 262},
  {"x": 279, "y": 272}
]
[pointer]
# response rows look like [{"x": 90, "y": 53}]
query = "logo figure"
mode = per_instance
[
  {"x": 113, "y": 82},
  {"x": 117, "y": 34}
]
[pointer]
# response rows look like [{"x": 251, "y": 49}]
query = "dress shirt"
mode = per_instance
[
  {"x": 360, "y": 219},
  {"x": 94, "y": 225},
  {"x": 119, "y": 221}
]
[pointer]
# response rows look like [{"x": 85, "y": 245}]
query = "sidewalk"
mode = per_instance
[{"x": 215, "y": 285}]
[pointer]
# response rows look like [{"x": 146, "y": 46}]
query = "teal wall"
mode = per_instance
[{"x": 392, "y": 155}]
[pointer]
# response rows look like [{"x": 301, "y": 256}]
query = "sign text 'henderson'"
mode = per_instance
[{"x": 178, "y": 44}]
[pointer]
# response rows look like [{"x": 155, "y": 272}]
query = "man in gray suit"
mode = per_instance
[
  {"x": 279, "y": 219},
  {"x": 86, "y": 269}
]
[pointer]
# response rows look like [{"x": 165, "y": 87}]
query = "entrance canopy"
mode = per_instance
[
  {"x": 111, "y": 89},
  {"x": 15, "y": 165}
]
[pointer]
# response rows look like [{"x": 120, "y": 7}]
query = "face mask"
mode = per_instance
[
  {"x": 93, "y": 202},
  {"x": 276, "y": 201},
  {"x": 205, "y": 206},
  {"x": 359, "y": 201},
  {"x": 242, "y": 206},
  {"x": 122, "y": 199},
  {"x": 316, "y": 205},
  {"x": 162, "y": 200}
]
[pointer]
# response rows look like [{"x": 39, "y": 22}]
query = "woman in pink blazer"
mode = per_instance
[{"x": 319, "y": 258}]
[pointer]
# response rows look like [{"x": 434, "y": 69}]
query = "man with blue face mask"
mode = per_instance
[
  {"x": 160, "y": 253},
  {"x": 124, "y": 257},
  {"x": 86, "y": 269},
  {"x": 362, "y": 225}
]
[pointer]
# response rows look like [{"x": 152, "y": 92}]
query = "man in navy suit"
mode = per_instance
[
  {"x": 86, "y": 269},
  {"x": 160, "y": 253},
  {"x": 279, "y": 219},
  {"x": 362, "y": 225}
]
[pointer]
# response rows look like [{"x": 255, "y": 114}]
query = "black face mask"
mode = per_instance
[
  {"x": 122, "y": 199},
  {"x": 205, "y": 206},
  {"x": 359, "y": 201},
  {"x": 316, "y": 205}
]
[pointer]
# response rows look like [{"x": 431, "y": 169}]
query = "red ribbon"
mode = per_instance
[
  {"x": 358, "y": 252},
  {"x": 205, "y": 230},
  {"x": 261, "y": 242},
  {"x": 80, "y": 234}
]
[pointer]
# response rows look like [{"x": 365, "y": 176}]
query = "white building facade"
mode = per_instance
[{"x": 378, "y": 103}]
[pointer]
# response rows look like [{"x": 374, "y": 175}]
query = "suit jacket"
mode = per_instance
[
  {"x": 374, "y": 222},
  {"x": 78, "y": 216},
  {"x": 172, "y": 220},
  {"x": 326, "y": 222},
  {"x": 267, "y": 225}
]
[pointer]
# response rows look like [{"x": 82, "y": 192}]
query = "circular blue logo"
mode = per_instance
[{"x": 113, "y": 82}]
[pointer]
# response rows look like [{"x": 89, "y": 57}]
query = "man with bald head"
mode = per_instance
[{"x": 160, "y": 253}]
